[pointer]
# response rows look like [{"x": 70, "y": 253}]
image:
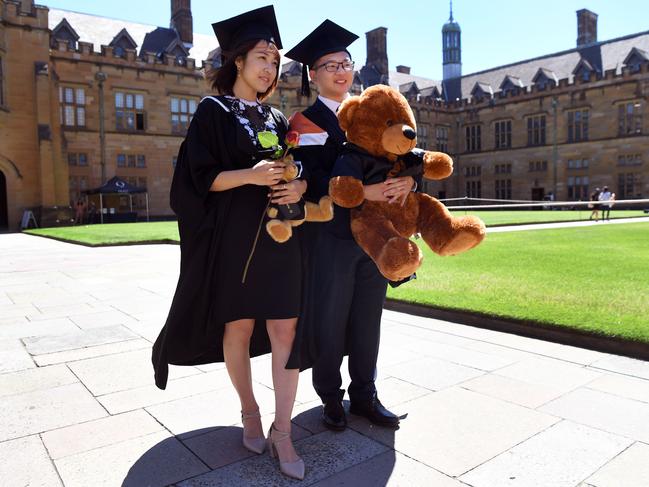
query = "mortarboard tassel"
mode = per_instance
[{"x": 306, "y": 89}]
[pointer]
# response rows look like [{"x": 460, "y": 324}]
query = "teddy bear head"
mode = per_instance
[{"x": 379, "y": 121}]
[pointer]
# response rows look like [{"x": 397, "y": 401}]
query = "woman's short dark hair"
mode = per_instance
[{"x": 222, "y": 79}]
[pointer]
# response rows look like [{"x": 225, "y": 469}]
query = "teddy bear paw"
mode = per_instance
[
  {"x": 399, "y": 258},
  {"x": 279, "y": 231},
  {"x": 469, "y": 232}
]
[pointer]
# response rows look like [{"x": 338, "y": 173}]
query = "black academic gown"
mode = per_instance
[
  {"x": 351, "y": 291},
  {"x": 193, "y": 332}
]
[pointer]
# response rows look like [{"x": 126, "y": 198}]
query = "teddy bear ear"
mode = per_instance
[{"x": 347, "y": 110}]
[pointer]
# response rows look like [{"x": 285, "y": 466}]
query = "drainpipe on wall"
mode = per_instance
[{"x": 101, "y": 77}]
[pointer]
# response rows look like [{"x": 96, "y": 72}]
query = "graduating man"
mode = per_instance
[{"x": 348, "y": 307}]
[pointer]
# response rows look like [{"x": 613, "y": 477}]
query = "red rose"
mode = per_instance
[{"x": 292, "y": 139}]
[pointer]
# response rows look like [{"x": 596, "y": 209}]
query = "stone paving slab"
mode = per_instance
[
  {"x": 623, "y": 365},
  {"x": 431, "y": 373},
  {"x": 513, "y": 390},
  {"x": 14, "y": 357},
  {"x": 27, "y": 329},
  {"x": 90, "y": 352},
  {"x": 65, "y": 310},
  {"x": 449, "y": 432},
  {"x": 105, "y": 318},
  {"x": 623, "y": 386},
  {"x": 121, "y": 371},
  {"x": 604, "y": 411},
  {"x": 47, "y": 409},
  {"x": 428, "y": 345},
  {"x": 549, "y": 373},
  {"x": 79, "y": 438},
  {"x": 560, "y": 456},
  {"x": 77, "y": 339},
  {"x": 190, "y": 416},
  {"x": 177, "y": 388},
  {"x": 324, "y": 455},
  {"x": 223, "y": 446},
  {"x": 390, "y": 468},
  {"x": 157, "y": 459},
  {"x": 629, "y": 469},
  {"x": 25, "y": 462},
  {"x": 515, "y": 342},
  {"x": 37, "y": 379}
]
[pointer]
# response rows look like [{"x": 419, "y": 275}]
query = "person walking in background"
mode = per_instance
[
  {"x": 594, "y": 204},
  {"x": 604, "y": 197},
  {"x": 80, "y": 210}
]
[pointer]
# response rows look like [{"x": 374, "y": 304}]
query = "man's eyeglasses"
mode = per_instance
[{"x": 333, "y": 66}]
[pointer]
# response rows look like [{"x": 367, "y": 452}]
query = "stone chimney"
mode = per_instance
[
  {"x": 181, "y": 20},
  {"x": 377, "y": 50},
  {"x": 26, "y": 6},
  {"x": 586, "y": 27},
  {"x": 403, "y": 69}
]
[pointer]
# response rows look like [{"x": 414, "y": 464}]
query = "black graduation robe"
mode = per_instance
[{"x": 193, "y": 332}]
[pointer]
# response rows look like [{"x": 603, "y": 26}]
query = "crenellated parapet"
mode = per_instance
[
  {"x": 564, "y": 85},
  {"x": 17, "y": 13},
  {"x": 127, "y": 58}
]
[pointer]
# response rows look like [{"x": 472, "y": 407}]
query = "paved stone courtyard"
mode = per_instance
[{"x": 78, "y": 406}]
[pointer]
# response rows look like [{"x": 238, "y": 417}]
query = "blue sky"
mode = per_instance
[{"x": 493, "y": 34}]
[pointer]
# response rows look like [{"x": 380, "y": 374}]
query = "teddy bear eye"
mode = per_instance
[{"x": 389, "y": 123}]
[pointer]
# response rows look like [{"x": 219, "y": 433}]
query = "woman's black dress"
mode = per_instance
[
  {"x": 217, "y": 234},
  {"x": 272, "y": 283}
]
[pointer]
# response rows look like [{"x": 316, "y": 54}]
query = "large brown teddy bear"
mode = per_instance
[{"x": 381, "y": 132}]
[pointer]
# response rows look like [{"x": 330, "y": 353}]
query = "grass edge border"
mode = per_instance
[
  {"x": 113, "y": 244},
  {"x": 526, "y": 328}
]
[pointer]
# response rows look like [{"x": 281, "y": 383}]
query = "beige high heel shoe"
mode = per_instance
[
  {"x": 294, "y": 469},
  {"x": 255, "y": 445}
]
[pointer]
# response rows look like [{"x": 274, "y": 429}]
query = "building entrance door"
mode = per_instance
[
  {"x": 4, "y": 217},
  {"x": 538, "y": 194}
]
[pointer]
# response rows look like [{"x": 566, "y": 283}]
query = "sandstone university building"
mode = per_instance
[{"x": 84, "y": 98}]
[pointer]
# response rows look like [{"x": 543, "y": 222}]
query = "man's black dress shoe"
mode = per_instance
[
  {"x": 375, "y": 412},
  {"x": 333, "y": 415}
]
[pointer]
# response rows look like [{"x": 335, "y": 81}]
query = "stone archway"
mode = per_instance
[{"x": 4, "y": 204}]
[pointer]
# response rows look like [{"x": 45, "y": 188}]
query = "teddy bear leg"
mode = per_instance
[
  {"x": 322, "y": 212},
  {"x": 396, "y": 257},
  {"x": 279, "y": 230},
  {"x": 444, "y": 233}
]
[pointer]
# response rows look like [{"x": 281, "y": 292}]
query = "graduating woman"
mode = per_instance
[{"x": 239, "y": 293}]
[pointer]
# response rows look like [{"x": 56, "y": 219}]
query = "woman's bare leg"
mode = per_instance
[
  {"x": 282, "y": 334},
  {"x": 236, "y": 351}
]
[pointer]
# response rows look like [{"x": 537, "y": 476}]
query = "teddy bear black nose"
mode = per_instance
[{"x": 409, "y": 133}]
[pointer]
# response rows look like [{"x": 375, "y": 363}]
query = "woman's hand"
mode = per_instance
[
  {"x": 286, "y": 193},
  {"x": 397, "y": 189},
  {"x": 375, "y": 192},
  {"x": 266, "y": 173}
]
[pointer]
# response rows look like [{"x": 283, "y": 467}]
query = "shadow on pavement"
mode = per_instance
[{"x": 361, "y": 455}]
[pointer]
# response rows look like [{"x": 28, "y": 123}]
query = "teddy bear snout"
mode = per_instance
[
  {"x": 399, "y": 139},
  {"x": 409, "y": 133}
]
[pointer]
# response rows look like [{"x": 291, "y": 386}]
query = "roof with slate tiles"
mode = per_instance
[{"x": 101, "y": 31}]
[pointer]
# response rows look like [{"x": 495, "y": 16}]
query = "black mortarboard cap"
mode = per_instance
[
  {"x": 257, "y": 24},
  {"x": 328, "y": 37}
]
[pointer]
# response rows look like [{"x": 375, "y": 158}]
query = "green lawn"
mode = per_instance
[
  {"x": 592, "y": 278},
  {"x": 119, "y": 233},
  {"x": 492, "y": 218},
  {"x": 113, "y": 233}
]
